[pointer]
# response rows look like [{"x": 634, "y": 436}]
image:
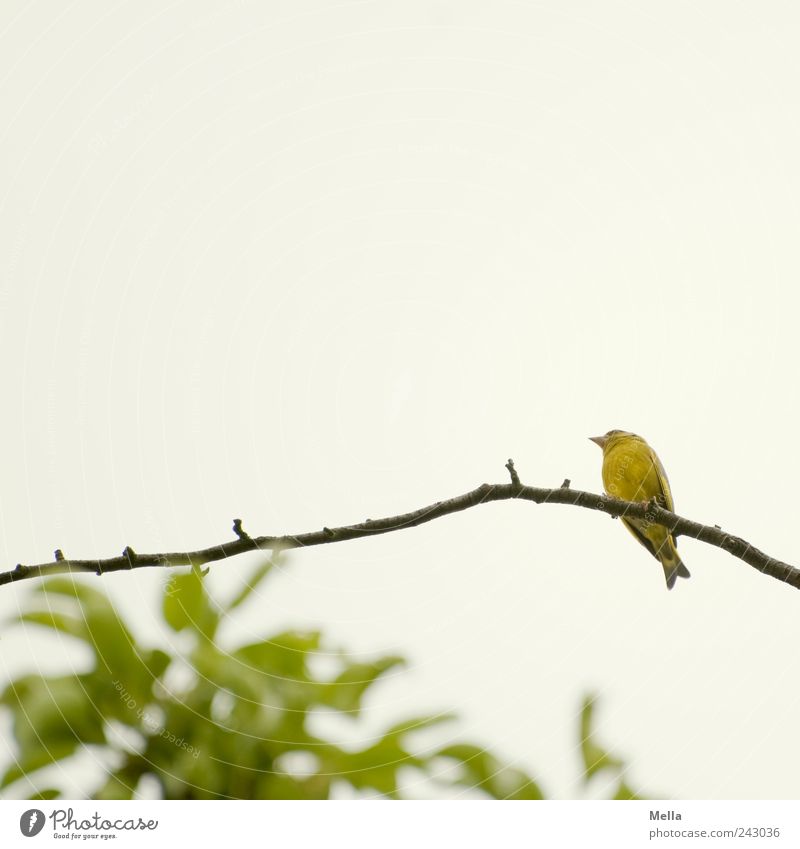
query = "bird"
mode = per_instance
[{"x": 633, "y": 472}]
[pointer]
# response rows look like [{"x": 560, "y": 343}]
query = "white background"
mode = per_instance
[{"x": 307, "y": 263}]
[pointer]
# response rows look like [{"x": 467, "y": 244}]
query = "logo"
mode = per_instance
[{"x": 31, "y": 822}]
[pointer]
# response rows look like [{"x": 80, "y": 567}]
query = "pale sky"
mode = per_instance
[{"x": 306, "y": 263}]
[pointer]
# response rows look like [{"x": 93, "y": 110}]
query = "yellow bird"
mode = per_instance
[{"x": 633, "y": 472}]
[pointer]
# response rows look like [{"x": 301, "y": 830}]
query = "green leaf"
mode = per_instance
[
  {"x": 218, "y": 670},
  {"x": 376, "y": 767},
  {"x": 122, "y": 783},
  {"x": 94, "y": 620},
  {"x": 625, "y": 792},
  {"x": 117, "y": 787},
  {"x": 71, "y": 625},
  {"x": 44, "y": 795},
  {"x": 74, "y": 587},
  {"x": 261, "y": 572},
  {"x": 280, "y": 665},
  {"x": 284, "y": 654},
  {"x": 483, "y": 771},
  {"x": 595, "y": 757},
  {"x": 347, "y": 690},
  {"x": 282, "y": 786},
  {"x": 51, "y": 718},
  {"x": 186, "y": 604},
  {"x": 156, "y": 661},
  {"x": 36, "y": 758}
]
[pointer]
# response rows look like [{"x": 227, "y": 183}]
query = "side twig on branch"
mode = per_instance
[{"x": 485, "y": 493}]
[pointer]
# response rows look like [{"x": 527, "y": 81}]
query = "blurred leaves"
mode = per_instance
[
  {"x": 186, "y": 604},
  {"x": 482, "y": 770},
  {"x": 212, "y": 721},
  {"x": 347, "y": 690},
  {"x": 597, "y": 759},
  {"x": 233, "y": 723}
]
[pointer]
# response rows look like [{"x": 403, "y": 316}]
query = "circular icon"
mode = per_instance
[{"x": 31, "y": 822}]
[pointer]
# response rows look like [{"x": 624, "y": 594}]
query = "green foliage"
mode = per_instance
[
  {"x": 595, "y": 758},
  {"x": 482, "y": 770},
  {"x": 213, "y": 722},
  {"x": 235, "y": 728}
]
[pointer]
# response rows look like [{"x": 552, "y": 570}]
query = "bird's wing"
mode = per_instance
[
  {"x": 647, "y": 543},
  {"x": 663, "y": 482},
  {"x": 666, "y": 492}
]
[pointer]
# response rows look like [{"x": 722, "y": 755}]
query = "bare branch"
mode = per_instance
[
  {"x": 651, "y": 511},
  {"x": 513, "y": 473}
]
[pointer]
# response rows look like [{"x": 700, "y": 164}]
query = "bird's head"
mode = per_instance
[{"x": 609, "y": 438}]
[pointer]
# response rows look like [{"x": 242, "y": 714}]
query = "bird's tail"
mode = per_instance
[{"x": 672, "y": 563}]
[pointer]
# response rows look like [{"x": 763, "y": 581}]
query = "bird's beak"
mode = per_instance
[{"x": 599, "y": 440}]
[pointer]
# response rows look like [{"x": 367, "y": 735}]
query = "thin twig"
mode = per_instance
[{"x": 712, "y": 535}]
